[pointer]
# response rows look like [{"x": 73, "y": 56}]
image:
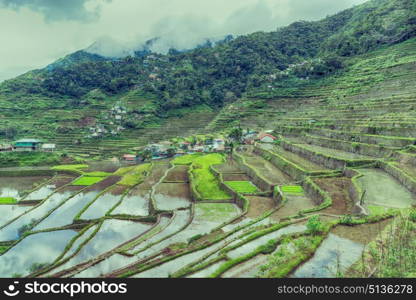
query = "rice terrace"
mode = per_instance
[{"x": 270, "y": 161}]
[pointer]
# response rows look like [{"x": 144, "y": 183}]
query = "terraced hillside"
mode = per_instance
[
  {"x": 324, "y": 200},
  {"x": 265, "y": 211},
  {"x": 333, "y": 196}
]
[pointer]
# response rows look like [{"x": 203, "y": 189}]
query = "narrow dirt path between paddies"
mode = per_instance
[
  {"x": 337, "y": 188},
  {"x": 178, "y": 174},
  {"x": 265, "y": 168},
  {"x": 384, "y": 190},
  {"x": 158, "y": 170},
  {"x": 296, "y": 159}
]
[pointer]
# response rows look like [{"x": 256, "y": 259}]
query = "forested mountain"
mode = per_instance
[{"x": 215, "y": 75}]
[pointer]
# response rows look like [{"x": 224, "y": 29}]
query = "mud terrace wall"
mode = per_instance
[
  {"x": 286, "y": 166},
  {"x": 319, "y": 158},
  {"x": 355, "y": 191},
  {"x": 28, "y": 172},
  {"x": 354, "y": 147},
  {"x": 406, "y": 180},
  {"x": 255, "y": 176},
  {"x": 237, "y": 198},
  {"x": 195, "y": 196}
]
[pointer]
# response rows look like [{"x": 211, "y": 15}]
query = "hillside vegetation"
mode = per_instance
[{"x": 184, "y": 91}]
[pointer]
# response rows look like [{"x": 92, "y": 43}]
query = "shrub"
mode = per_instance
[{"x": 314, "y": 225}]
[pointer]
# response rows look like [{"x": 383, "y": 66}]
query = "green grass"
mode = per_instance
[
  {"x": 78, "y": 169},
  {"x": 123, "y": 171},
  {"x": 205, "y": 181},
  {"x": 215, "y": 211},
  {"x": 136, "y": 175},
  {"x": 293, "y": 190},
  {"x": 28, "y": 159},
  {"x": 87, "y": 180},
  {"x": 98, "y": 174},
  {"x": 74, "y": 168},
  {"x": 186, "y": 159},
  {"x": 7, "y": 200},
  {"x": 244, "y": 187}
]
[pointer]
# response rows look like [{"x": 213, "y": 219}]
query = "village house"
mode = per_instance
[
  {"x": 48, "y": 147},
  {"x": 184, "y": 145},
  {"x": 249, "y": 137},
  {"x": 27, "y": 145},
  {"x": 266, "y": 138},
  {"x": 219, "y": 145},
  {"x": 129, "y": 157},
  {"x": 6, "y": 147}
]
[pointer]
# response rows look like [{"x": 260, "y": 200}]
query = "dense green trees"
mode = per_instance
[{"x": 221, "y": 74}]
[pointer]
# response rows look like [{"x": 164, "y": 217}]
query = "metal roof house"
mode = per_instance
[
  {"x": 48, "y": 147},
  {"x": 27, "y": 145}
]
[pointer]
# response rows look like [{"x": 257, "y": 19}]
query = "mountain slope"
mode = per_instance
[{"x": 72, "y": 96}]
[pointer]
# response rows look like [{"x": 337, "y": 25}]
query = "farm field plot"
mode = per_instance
[
  {"x": 15, "y": 187},
  {"x": 104, "y": 203},
  {"x": 243, "y": 187},
  {"x": 13, "y": 230},
  {"x": 9, "y": 212},
  {"x": 334, "y": 152},
  {"x": 382, "y": 189},
  {"x": 248, "y": 269},
  {"x": 266, "y": 169},
  {"x": 135, "y": 203},
  {"x": 47, "y": 189},
  {"x": 297, "y": 159},
  {"x": 207, "y": 217},
  {"x": 259, "y": 205},
  {"x": 111, "y": 234},
  {"x": 294, "y": 204},
  {"x": 228, "y": 167},
  {"x": 33, "y": 252},
  {"x": 171, "y": 196},
  {"x": 334, "y": 256},
  {"x": 235, "y": 177},
  {"x": 252, "y": 245},
  {"x": 178, "y": 174},
  {"x": 157, "y": 172},
  {"x": 159, "y": 241},
  {"x": 65, "y": 214},
  {"x": 337, "y": 188}
]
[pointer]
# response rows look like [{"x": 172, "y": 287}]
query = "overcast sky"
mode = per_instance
[{"x": 35, "y": 33}]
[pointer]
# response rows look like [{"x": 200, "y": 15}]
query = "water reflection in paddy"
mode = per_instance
[
  {"x": 66, "y": 213},
  {"x": 334, "y": 255},
  {"x": 41, "y": 248},
  {"x": 135, "y": 203},
  {"x": 47, "y": 189},
  {"x": 171, "y": 196},
  {"x": 11, "y": 231},
  {"x": 104, "y": 203},
  {"x": 16, "y": 186},
  {"x": 111, "y": 234}
]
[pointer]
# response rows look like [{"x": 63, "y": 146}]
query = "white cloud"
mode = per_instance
[{"x": 31, "y": 38}]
